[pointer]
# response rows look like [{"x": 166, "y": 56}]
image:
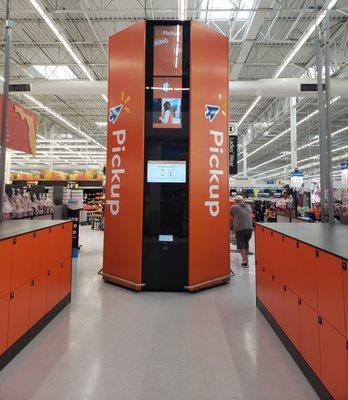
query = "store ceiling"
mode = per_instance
[{"x": 262, "y": 34}]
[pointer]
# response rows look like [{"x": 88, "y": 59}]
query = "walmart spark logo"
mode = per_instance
[
  {"x": 115, "y": 112},
  {"x": 211, "y": 111}
]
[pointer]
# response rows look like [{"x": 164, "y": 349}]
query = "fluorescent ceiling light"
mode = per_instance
[
  {"x": 297, "y": 47},
  {"x": 101, "y": 123},
  {"x": 55, "y": 72},
  {"x": 249, "y": 110},
  {"x": 60, "y": 118},
  {"x": 104, "y": 97},
  {"x": 220, "y": 10},
  {"x": 182, "y": 10}
]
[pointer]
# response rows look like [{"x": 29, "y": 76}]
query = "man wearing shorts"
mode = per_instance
[{"x": 242, "y": 226}]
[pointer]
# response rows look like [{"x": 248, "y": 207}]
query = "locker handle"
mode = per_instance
[
  {"x": 271, "y": 233},
  {"x": 284, "y": 288},
  {"x": 272, "y": 277},
  {"x": 283, "y": 238},
  {"x": 61, "y": 265},
  {"x": 298, "y": 245},
  {"x": 12, "y": 295},
  {"x": 317, "y": 253},
  {"x": 299, "y": 302},
  {"x": 34, "y": 235},
  {"x": 50, "y": 230},
  {"x": 320, "y": 320},
  {"x": 14, "y": 240},
  {"x": 344, "y": 266},
  {"x": 262, "y": 229},
  {"x": 62, "y": 226},
  {"x": 49, "y": 273},
  {"x": 263, "y": 269},
  {"x": 347, "y": 344},
  {"x": 32, "y": 282}
]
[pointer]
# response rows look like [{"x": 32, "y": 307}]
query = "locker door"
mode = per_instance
[
  {"x": 65, "y": 278},
  {"x": 279, "y": 301},
  {"x": 19, "y": 313},
  {"x": 53, "y": 287},
  {"x": 309, "y": 336},
  {"x": 278, "y": 255},
  {"x": 345, "y": 290},
  {"x": 333, "y": 351},
  {"x": 330, "y": 290},
  {"x": 4, "y": 310},
  {"x": 66, "y": 240},
  {"x": 268, "y": 289},
  {"x": 40, "y": 253},
  {"x": 292, "y": 318},
  {"x": 55, "y": 246},
  {"x": 5, "y": 269},
  {"x": 38, "y": 293},
  {"x": 21, "y": 260},
  {"x": 290, "y": 264},
  {"x": 307, "y": 274}
]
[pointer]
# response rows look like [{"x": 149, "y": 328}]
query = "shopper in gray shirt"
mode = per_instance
[{"x": 242, "y": 226}]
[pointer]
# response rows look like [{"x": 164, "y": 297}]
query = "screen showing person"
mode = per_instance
[
  {"x": 167, "y": 50},
  {"x": 167, "y": 94}
]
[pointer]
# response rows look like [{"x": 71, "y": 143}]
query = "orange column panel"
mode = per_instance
[
  {"x": 307, "y": 274},
  {"x": 4, "y": 311},
  {"x": 65, "y": 279},
  {"x": 208, "y": 167},
  {"x": 67, "y": 240},
  {"x": 40, "y": 253},
  {"x": 330, "y": 290},
  {"x": 21, "y": 260},
  {"x": 5, "y": 269},
  {"x": 334, "y": 363},
  {"x": 19, "y": 313},
  {"x": 309, "y": 336},
  {"x": 53, "y": 287},
  {"x": 38, "y": 293},
  {"x": 125, "y": 156}
]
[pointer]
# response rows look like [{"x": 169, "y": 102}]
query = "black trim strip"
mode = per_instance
[
  {"x": 307, "y": 371},
  {"x": 12, "y": 351}
]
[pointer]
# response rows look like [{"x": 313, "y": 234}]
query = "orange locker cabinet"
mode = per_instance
[
  {"x": 40, "y": 253},
  {"x": 55, "y": 246},
  {"x": 334, "y": 363},
  {"x": 307, "y": 274},
  {"x": 330, "y": 290},
  {"x": 345, "y": 290},
  {"x": 309, "y": 336},
  {"x": 38, "y": 294},
  {"x": 53, "y": 287},
  {"x": 66, "y": 241},
  {"x": 65, "y": 279},
  {"x": 5, "y": 269},
  {"x": 290, "y": 264},
  {"x": 19, "y": 313},
  {"x": 21, "y": 260},
  {"x": 4, "y": 310},
  {"x": 292, "y": 317}
]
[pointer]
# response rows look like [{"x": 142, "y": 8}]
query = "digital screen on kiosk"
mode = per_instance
[
  {"x": 166, "y": 171},
  {"x": 167, "y": 94},
  {"x": 167, "y": 50}
]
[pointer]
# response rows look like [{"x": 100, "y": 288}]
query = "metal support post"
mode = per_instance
[
  {"x": 293, "y": 127},
  {"x": 322, "y": 140},
  {"x": 4, "y": 121},
  {"x": 245, "y": 164},
  {"x": 328, "y": 164}
]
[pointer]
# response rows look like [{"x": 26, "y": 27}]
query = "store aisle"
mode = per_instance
[{"x": 113, "y": 344}]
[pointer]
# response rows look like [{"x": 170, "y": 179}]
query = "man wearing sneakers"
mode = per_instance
[{"x": 242, "y": 226}]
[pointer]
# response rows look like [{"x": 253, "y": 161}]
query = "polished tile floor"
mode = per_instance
[{"x": 113, "y": 344}]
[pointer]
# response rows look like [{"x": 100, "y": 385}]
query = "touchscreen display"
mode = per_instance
[{"x": 166, "y": 171}]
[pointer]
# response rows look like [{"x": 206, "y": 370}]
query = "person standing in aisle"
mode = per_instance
[{"x": 242, "y": 225}]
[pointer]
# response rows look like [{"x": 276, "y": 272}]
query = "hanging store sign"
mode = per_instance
[
  {"x": 23, "y": 126},
  {"x": 344, "y": 170},
  {"x": 233, "y": 151},
  {"x": 296, "y": 179}
]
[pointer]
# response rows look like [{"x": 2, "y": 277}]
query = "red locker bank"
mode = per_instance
[
  {"x": 35, "y": 279},
  {"x": 302, "y": 290},
  {"x": 167, "y": 158}
]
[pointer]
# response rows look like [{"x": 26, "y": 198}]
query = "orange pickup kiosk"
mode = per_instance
[
  {"x": 167, "y": 211},
  {"x": 35, "y": 280},
  {"x": 302, "y": 290}
]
